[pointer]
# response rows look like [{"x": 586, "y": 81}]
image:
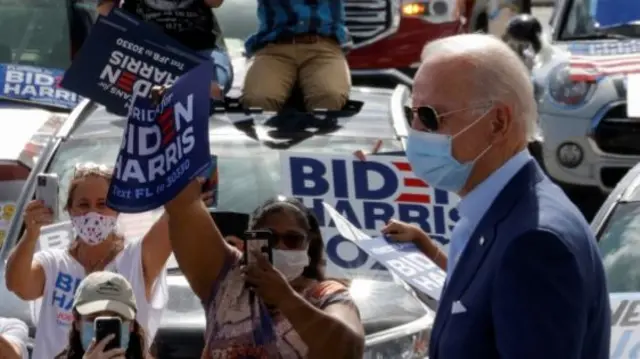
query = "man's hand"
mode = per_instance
[{"x": 401, "y": 231}]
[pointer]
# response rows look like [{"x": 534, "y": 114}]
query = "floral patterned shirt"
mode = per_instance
[{"x": 236, "y": 329}]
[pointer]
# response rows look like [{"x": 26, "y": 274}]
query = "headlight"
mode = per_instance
[
  {"x": 407, "y": 342},
  {"x": 565, "y": 91}
]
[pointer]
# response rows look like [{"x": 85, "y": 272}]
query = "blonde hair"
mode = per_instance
[{"x": 84, "y": 170}]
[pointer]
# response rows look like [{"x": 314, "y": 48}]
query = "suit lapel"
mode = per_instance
[{"x": 481, "y": 241}]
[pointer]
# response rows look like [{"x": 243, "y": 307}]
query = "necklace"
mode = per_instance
[{"x": 99, "y": 264}]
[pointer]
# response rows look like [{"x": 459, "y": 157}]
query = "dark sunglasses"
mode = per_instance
[
  {"x": 291, "y": 239},
  {"x": 430, "y": 118}
]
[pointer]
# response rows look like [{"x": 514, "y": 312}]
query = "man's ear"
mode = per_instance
[{"x": 501, "y": 123}]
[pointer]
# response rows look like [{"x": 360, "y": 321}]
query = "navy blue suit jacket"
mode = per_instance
[{"x": 530, "y": 283}]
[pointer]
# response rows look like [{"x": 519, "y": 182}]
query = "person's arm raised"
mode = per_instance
[
  {"x": 156, "y": 247},
  {"x": 24, "y": 276},
  {"x": 198, "y": 246}
]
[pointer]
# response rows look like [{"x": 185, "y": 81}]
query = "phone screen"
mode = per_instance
[
  {"x": 104, "y": 326},
  {"x": 260, "y": 240}
]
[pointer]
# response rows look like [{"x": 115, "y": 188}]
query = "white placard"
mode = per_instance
[{"x": 633, "y": 96}]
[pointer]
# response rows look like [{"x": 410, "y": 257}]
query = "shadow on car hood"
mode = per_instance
[{"x": 383, "y": 305}]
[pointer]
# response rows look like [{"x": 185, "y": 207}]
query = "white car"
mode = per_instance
[{"x": 590, "y": 139}]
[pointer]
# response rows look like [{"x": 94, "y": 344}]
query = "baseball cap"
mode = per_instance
[{"x": 105, "y": 291}]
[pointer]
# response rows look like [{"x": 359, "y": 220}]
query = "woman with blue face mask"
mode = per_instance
[{"x": 100, "y": 295}]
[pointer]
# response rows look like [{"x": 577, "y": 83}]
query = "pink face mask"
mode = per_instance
[{"x": 93, "y": 228}]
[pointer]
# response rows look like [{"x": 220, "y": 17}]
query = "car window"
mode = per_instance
[
  {"x": 35, "y": 32},
  {"x": 238, "y": 19},
  {"x": 585, "y": 16},
  {"x": 620, "y": 247}
]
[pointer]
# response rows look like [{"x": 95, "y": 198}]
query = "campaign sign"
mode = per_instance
[
  {"x": 402, "y": 258},
  {"x": 165, "y": 146},
  {"x": 36, "y": 84},
  {"x": 625, "y": 325},
  {"x": 115, "y": 62},
  {"x": 368, "y": 193}
]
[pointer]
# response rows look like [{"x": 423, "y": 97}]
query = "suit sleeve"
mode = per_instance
[{"x": 539, "y": 302}]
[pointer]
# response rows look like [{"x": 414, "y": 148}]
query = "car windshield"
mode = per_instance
[
  {"x": 620, "y": 247},
  {"x": 35, "y": 32},
  {"x": 599, "y": 18},
  {"x": 249, "y": 171},
  {"x": 238, "y": 20}
]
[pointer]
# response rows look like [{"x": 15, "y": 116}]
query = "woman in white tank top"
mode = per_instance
[{"x": 53, "y": 275}]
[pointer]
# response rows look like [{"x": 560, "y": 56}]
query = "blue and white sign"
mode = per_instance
[
  {"x": 403, "y": 259},
  {"x": 625, "y": 325},
  {"x": 36, "y": 84},
  {"x": 120, "y": 59},
  {"x": 164, "y": 147},
  {"x": 367, "y": 193}
]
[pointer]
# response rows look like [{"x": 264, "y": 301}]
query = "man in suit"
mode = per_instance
[{"x": 525, "y": 278}]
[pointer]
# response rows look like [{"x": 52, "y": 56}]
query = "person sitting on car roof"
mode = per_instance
[
  {"x": 298, "y": 43},
  {"x": 193, "y": 24}
]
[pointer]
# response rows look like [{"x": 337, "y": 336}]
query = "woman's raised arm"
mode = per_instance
[{"x": 197, "y": 244}]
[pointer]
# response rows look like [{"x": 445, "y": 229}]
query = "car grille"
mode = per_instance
[
  {"x": 371, "y": 20},
  {"x": 618, "y": 134}
]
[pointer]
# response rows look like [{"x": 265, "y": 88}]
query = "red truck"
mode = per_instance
[{"x": 389, "y": 34}]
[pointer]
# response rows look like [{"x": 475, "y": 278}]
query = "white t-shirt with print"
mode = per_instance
[
  {"x": 63, "y": 275},
  {"x": 16, "y": 332}
]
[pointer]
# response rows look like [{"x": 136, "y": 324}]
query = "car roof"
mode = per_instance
[{"x": 373, "y": 120}]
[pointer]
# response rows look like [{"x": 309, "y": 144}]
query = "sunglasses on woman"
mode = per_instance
[
  {"x": 430, "y": 118},
  {"x": 290, "y": 239}
]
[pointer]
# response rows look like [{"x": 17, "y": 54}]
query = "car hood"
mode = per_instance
[
  {"x": 382, "y": 304},
  {"x": 625, "y": 325},
  {"x": 30, "y": 129}
]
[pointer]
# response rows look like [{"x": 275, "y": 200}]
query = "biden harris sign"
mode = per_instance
[
  {"x": 123, "y": 57},
  {"x": 164, "y": 146}
]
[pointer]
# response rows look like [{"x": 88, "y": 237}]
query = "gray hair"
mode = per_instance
[{"x": 498, "y": 73}]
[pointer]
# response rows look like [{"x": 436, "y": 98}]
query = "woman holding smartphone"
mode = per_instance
[
  {"x": 54, "y": 274},
  {"x": 105, "y": 297},
  {"x": 293, "y": 311}
]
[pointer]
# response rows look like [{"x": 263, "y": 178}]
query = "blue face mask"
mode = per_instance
[
  {"x": 87, "y": 335},
  {"x": 431, "y": 158}
]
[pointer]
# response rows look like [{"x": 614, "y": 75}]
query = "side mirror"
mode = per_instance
[{"x": 524, "y": 28}]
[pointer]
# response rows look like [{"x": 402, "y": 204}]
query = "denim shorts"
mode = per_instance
[{"x": 222, "y": 63}]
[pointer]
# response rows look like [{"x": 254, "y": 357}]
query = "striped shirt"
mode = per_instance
[{"x": 285, "y": 18}]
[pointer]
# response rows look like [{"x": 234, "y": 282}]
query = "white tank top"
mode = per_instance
[{"x": 63, "y": 273}]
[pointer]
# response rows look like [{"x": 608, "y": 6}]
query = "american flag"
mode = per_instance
[{"x": 593, "y": 61}]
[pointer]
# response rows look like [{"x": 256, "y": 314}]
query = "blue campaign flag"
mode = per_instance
[
  {"x": 35, "y": 84},
  {"x": 118, "y": 59},
  {"x": 609, "y": 13},
  {"x": 164, "y": 146},
  {"x": 403, "y": 259}
]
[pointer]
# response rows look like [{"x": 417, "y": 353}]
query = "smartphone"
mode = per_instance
[
  {"x": 47, "y": 185},
  {"x": 105, "y": 326},
  {"x": 261, "y": 240}
]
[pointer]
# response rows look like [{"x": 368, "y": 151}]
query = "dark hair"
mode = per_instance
[
  {"x": 135, "y": 350},
  {"x": 307, "y": 220}
]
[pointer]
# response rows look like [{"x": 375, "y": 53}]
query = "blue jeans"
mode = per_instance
[{"x": 223, "y": 69}]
